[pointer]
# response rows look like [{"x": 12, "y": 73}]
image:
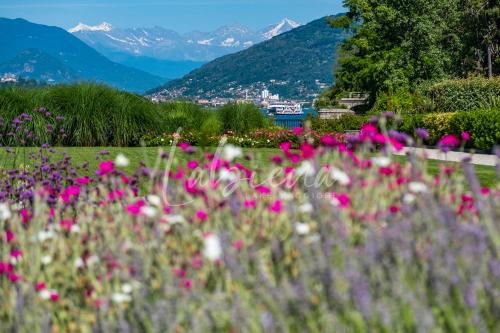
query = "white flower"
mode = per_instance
[
  {"x": 46, "y": 260},
  {"x": 5, "y": 212},
  {"x": 121, "y": 298},
  {"x": 302, "y": 228},
  {"x": 154, "y": 200},
  {"x": 213, "y": 248},
  {"x": 43, "y": 235},
  {"x": 226, "y": 175},
  {"x": 409, "y": 198},
  {"x": 92, "y": 260},
  {"x": 79, "y": 263},
  {"x": 127, "y": 288},
  {"x": 382, "y": 161},
  {"x": 340, "y": 176},
  {"x": 417, "y": 187},
  {"x": 231, "y": 152},
  {"x": 286, "y": 196},
  {"x": 306, "y": 208},
  {"x": 306, "y": 169},
  {"x": 75, "y": 229},
  {"x": 175, "y": 219},
  {"x": 149, "y": 211},
  {"x": 45, "y": 294},
  {"x": 122, "y": 161}
]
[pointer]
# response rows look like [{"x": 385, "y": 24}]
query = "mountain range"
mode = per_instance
[
  {"x": 164, "y": 44},
  {"x": 52, "y": 54},
  {"x": 295, "y": 64}
]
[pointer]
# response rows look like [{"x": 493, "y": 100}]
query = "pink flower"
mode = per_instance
[
  {"x": 179, "y": 272},
  {"x": 67, "y": 224},
  {"x": 82, "y": 180},
  {"x": 13, "y": 277},
  {"x": 465, "y": 136},
  {"x": 286, "y": 146},
  {"x": 187, "y": 284},
  {"x": 394, "y": 209},
  {"x": 40, "y": 286},
  {"x": 202, "y": 215},
  {"x": 6, "y": 267},
  {"x": 69, "y": 193},
  {"x": 184, "y": 146},
  {"x": 329, "y": 141},
  {"x": 54, "y": 296},
  {"x": 342, "y": 200},
  {"x": 298, "y": 131},
  {"x": 447, "y": 142},
  {"x": 16, "y": 253},
  {"x": 192, "y": 165},
  {"x": 106, "y": 168},
  {"x": 190, "y": 186},
  {"x": 250, "y": 203},
  {"x": 9, "y": 236},
  {"x": 263, "y": 189},
  {"x": 238, "y": 245},
  {"x": 277, "y": 206},
  {"x": 307, "y": 150},
  {"x": 135, "y": 208},
  {"x": 25, "y": 215},
  {"x": 398, "y": 146}
]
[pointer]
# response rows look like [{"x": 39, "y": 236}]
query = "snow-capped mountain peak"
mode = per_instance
[
  {"x": 285, "y": 25},
  {"x": 83, "y": 27}
]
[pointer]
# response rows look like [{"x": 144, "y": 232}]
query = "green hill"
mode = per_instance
[{"x": 294, "y": 64}]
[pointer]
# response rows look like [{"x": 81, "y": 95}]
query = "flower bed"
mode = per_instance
[{"x": 327, "y": 238}]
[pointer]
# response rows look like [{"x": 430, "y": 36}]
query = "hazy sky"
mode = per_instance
[{"x": 181, "y": 15}]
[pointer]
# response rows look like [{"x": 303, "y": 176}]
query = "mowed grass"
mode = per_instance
[{"x": 259, "y": 157}]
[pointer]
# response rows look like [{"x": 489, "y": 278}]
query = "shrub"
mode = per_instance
[
  {"x": 464, "y": 95},
  {"x": 241, "y": 117},
  {"x": 438, "y": 125},
  {"x": 185, "y": 115},
  {"x": 483, "y": 125},
  {"x": 94, "y": 115},
  {"x": 402, "y": 102},
  {"x": 340, "y": 125}
]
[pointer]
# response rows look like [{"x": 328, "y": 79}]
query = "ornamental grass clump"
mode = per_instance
[{"x": 332, "y": 238}]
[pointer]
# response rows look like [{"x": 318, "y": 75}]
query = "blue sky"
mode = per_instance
[{"x": 181, "y": 15}]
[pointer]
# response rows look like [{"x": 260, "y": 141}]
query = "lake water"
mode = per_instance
[{"x": 292, "y": 120}]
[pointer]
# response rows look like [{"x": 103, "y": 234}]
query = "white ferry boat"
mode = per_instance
[{"x": 284, "y": 108}]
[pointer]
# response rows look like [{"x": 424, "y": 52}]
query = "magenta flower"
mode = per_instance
[
  {"x": 184, "y": 146},
  {"x": 329, "y": 141},
  {"x": 448, "y": 142},
  {"x": 277, "y": 207},
  {"x": 106, "y": 168},
  {"x": 298, "y": 131},
  {"x": 465, "y": 136},
  {"x": 187, "y": 284},
  {"x": 192, "y": 165},
  {"x": 9, "y": 236},
  {"x": 202, "y": 215},
  {"x": 16, "y": 253},
  {"x": 342, "y": 200},
  {"x": 307, "y": 150},
  {"x": 40, "y": 286},
  {"x": 135, "y": 208},
  {"x": 263, "y": 189},
  {"x": 250, "y": 203},
  {"x": 69, "y": 193},
  {"x": 82, "y": 180}
]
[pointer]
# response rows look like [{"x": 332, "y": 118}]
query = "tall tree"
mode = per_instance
[{"x": 401, "y": 43}]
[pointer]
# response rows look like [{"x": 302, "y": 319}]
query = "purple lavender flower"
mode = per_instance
[{"x": 422, "y": 133}]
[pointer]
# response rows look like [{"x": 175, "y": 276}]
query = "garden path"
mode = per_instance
[{"x": 452, "y": 156}]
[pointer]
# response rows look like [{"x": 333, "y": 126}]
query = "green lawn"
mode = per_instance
[{"x": 486, "y": 174}]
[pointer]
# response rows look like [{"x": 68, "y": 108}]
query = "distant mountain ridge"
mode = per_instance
[
  {"x": 50, "y": 53},
  {"x": 296, "y": 64},
  {"x": 166, "y": 44}
]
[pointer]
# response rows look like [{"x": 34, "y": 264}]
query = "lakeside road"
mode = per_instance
[{"x": 452, "y": 156}]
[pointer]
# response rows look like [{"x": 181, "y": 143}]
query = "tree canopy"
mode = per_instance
[{"x": 399, "y": 44}]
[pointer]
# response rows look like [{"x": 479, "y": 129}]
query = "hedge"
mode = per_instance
[
  {"x": 482, "y": 124},
  {"x": 464, "y": 95}
]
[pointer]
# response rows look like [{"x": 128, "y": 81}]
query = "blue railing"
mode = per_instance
[{"x": 289, "y": 123}]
